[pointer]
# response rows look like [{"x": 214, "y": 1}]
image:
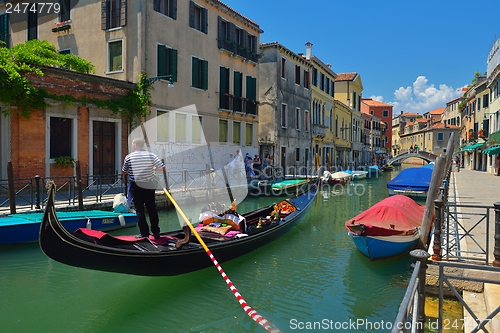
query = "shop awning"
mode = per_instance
[
  {"x": 492, "y": 150},
  {"x": 473, "y": 147}
]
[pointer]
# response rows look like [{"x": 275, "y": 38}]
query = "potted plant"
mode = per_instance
[{"x": 63, "y": 161}]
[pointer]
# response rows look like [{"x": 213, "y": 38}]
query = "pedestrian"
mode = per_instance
[
  {"x": 411, "y": 149},
  {"x": 140, "y": 165},
  {"x": 416, "y": 148},
  {"x": 257, "y": 162},
  {"x": 266, "y": 162},
  {"x": 497, "y": 166}
]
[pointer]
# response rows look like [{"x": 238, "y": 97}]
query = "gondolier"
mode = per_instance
[{"x": 140, "y": 166}]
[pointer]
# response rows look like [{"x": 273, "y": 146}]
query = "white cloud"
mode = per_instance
[
  {"x": 377, "y": 98},
  {"x": 422, "y": 97}
]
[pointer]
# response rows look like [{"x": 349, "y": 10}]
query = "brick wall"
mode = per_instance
[{"x": 28, "y": 141}]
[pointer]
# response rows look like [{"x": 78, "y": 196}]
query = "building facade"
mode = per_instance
[{"x": 284, "y": 110}]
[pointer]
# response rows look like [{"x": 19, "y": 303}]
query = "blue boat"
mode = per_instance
[
  {"x": 412, "y": 182},
  {"x": 387, "y": 229},
  {"x": 373, "y": 171},
  {"x": 25, "y": 227}
]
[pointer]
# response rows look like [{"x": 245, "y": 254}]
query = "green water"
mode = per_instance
[{"x": 312, "y": 275}]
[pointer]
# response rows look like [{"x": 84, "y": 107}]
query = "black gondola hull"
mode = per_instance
[{"x": 63, "y": 246}]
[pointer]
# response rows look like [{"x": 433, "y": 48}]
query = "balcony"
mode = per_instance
[
  {"x": 319, "y": 131},
  {"x": 238, "y": 49}
]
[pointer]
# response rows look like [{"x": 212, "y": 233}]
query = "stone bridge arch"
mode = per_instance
[{"x": 426, "y": 156}]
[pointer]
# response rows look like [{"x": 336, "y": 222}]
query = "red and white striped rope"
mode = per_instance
[{"x": 251, "y": 312}]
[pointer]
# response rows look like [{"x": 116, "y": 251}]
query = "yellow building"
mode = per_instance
[
  {"x": 322, "y": 108},
  {"x": 348, "y": 121}
]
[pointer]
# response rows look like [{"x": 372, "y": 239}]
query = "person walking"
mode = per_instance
[
  {"x": 140, "y": 165},
  {"x": 497, "y": 166}
]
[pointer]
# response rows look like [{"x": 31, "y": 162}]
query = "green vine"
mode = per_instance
[{"x": 16, "y": 90}]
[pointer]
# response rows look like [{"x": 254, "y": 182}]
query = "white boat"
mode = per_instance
[{"x": 359, "y": 174}]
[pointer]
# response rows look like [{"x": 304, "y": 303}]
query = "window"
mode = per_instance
[
  {"x": 249, "y": 135},
  {"x": 322, "y": 81},
  {"x": 196, "y": 129},
  {"x": 297, "y": 74},
  {"x": 297, "y": 119},
  {"x": 440, "y": 136},
  {"x": 283, "y": 115},
  {"x": 180, "y": 128},
  {"x": 166, "y": 7},
  {"x": 485, "y": 102},
  {"x": 236, "y": 133},
  {"x": 224, "y": 88},
  {"x": 306, "y": 121},
  {"x": 65, "y": 10},
  {"x": 223, "y": 130},
  {"x": 65, "y": 51},
  {"x": 4, "y": 29},
  {"x": 113, "y": 14},
  {"x": 198, "y": 17},
  {"x": 371, "y": 112},
  {"x": 238, "y": 91},
  {"x": 327, "y": 85},
  {"x": 297, "y": 154},
  {"x": 115, "y": 63},
  {"x": 307, "y": 80},
  {"x": 385, "y": 113},
  {"x": 162, "y": 126},
  {"x": 283, "y": 63},
  {"x": 199, "y": 73},
  {"x": 166, "y": 62},
  {"x": 32, "y": 20},
  {"x": 61, "y": 137},
  {"x": 354, "y": 99},
  {"x": 315, "y": 77},
  {"x": 251, "y": 95}
]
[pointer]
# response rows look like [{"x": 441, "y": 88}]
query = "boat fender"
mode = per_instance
[
  {"x": 122, "y": 220},
  {"x": 89, "y": 224},
  {"x": 238, "y": 236}
]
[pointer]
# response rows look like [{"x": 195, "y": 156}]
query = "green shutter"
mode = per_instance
[
  {"x": 173, "y": 64},
  {"x": 191, "y": 14},
  {"x": 156, "y": 5},
  {"x": 195, "y": 71},
  {"x": 237, "y": 84},
  {"x": 123, "y": 13},
  {"x": 204, "y": 20},
  {"x": 173, "y": 9},
  {"x": 104, "y": 14},
  {"x": 251, "y": 91},
  {"x": 222, "y": 80},
  {"x": 162, "y": 61},
  {"x": 204, "y": 74}
]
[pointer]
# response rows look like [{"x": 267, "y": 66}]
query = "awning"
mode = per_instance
[
  {"x": 473, "y": 147},
  {"x": 492, "y": 150}
]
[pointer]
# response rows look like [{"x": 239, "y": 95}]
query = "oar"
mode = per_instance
[{"x": 251, "y": 312}]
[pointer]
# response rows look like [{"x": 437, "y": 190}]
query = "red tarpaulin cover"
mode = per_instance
[{"x": 396, "y": 214}]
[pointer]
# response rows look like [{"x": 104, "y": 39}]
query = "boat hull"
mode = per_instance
[
  {"x": 409, "y": 193},
  {"x": 148, "y": 259},
  {"x": 376, "y": 247},
  {"x": 25, "y": 228}
]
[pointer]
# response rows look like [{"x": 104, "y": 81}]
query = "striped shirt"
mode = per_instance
[{"x": 139, "y": 165}]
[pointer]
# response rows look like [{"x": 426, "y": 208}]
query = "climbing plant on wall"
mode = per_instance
[{"x": 17, "y": 91}]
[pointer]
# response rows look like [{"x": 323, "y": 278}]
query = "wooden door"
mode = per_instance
[{"x": 104, "y": 150}]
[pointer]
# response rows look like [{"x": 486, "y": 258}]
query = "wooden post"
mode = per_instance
[
  {"x": 12, "y": 191},
  {"x": 328, "y": 161},
  {"x": 79, "y": 184},
  {"x": 438, "y": 223},
  {"x": 436, "y": 180}
]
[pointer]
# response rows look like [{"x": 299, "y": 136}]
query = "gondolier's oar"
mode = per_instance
[{"x": 247, "y": 308}]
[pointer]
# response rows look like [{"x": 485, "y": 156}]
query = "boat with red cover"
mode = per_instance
[
  {"x": 175, "y": 252},
  {"x": 389, "y": 228}
]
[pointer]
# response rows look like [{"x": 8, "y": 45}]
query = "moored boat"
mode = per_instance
[
  {"x": 340, "y": 177},
  {"x": 175, "y": 252},
  {"x": 279, "y": 187},
  {"x": 412, "y": 182},
  {"x": 25, "y": 227},
  {"x": 387, "y": 229},
  {"x": 359, "y": 174}
]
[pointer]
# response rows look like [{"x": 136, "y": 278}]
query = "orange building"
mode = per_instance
[{"x": 382, "y": 111}]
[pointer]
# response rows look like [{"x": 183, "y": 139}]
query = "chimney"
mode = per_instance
[
  {"x": 401, "y": 112},
  {"x": 308, "y": 50}
]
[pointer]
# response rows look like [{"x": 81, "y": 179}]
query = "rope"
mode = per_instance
[{"x": 251, "y": 312}]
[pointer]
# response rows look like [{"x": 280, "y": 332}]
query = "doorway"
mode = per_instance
[{"x": 104, "y": 151}]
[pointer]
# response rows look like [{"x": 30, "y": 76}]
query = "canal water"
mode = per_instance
[{"x": 312, "y": 279}]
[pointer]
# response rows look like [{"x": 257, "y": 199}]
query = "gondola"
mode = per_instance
[{"x": 175, "y": 252}]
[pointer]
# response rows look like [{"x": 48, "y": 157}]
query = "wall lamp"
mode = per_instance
[{"x": 151, "y": 80}]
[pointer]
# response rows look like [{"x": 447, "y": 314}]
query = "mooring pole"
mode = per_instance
[
  {"x": 438, "y": 222},
  {"x": 37, "y": 192},
  {"x": 12, "y": 191},
  {"x": 79, "y": 185}
]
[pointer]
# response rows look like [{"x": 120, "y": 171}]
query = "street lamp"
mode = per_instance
[{"x": 151, "y": 80}]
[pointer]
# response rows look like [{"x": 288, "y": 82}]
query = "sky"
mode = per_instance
[{"x": 415, "y": 55}]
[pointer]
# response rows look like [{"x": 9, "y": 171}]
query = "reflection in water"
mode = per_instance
[{"x": 310, "y": 274}]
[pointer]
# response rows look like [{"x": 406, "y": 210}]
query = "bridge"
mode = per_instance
[{"x": 426, "y": 156}]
